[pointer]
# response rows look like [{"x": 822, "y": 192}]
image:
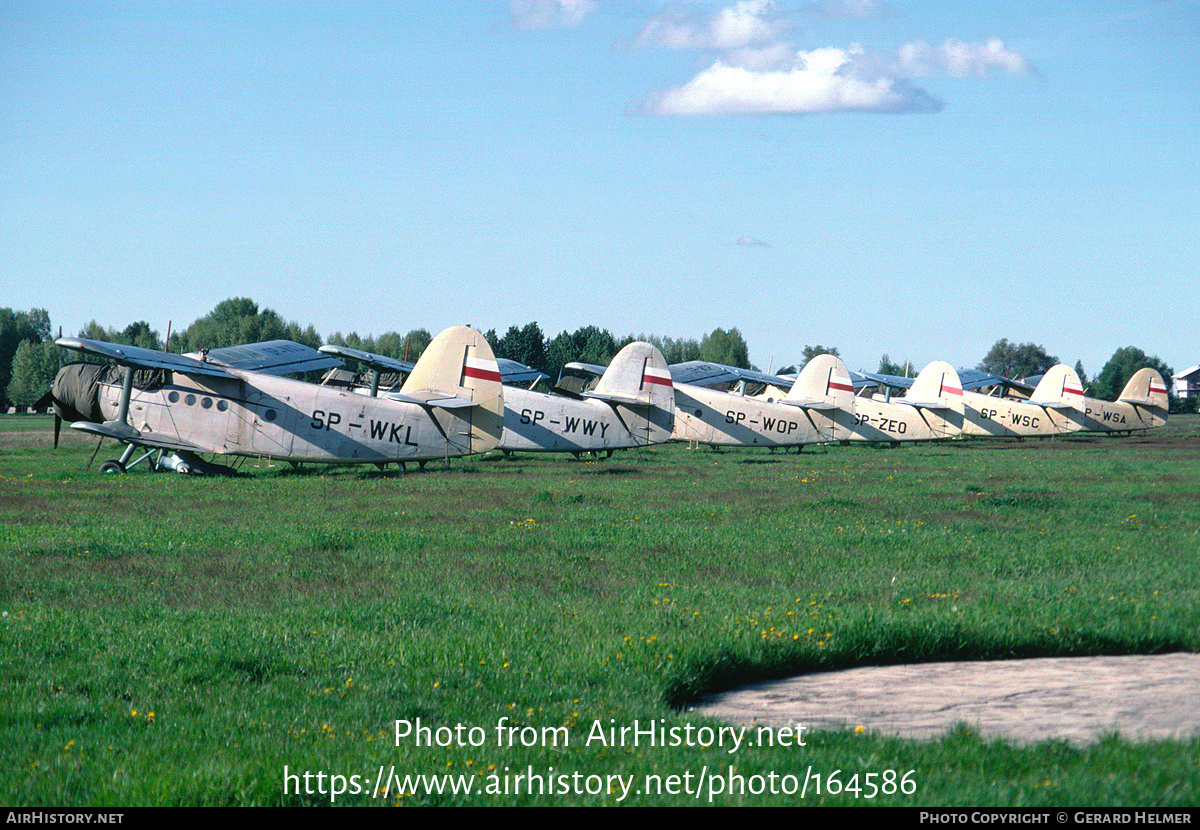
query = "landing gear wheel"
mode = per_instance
[{"x": 112, "y": 467}]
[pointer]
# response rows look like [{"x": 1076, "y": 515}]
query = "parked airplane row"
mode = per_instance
[{"x": 459, "y": 400}]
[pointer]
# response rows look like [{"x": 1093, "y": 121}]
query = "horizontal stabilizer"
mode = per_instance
[
  {"x": 432, "y": 398},
  {"x": 627, "y": 400},
  {"x": 809, "y": 403},
  {"x": 935, "y": 404}
]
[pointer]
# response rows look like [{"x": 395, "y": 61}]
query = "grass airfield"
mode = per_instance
[{"x": 170, "y": 640}]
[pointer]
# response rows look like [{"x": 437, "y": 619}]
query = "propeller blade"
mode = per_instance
[{"x": 49, "y": 400}]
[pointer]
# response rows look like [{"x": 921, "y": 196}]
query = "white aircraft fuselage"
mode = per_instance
[
  {"x": 989, "y": 416},
  {"x": 280, "y": 418},
  {"x": 717, "y": 418},
  {"x": 540, "y": 422}
]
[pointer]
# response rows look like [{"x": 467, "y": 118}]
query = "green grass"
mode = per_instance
[{"x": 176, "y": 640}]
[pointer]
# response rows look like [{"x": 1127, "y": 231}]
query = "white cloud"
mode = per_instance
[
  {"x": 751, "y": 242},
  {"x": 823, "y": 80},
  {"x": 544, "y": 14},
  {"x": 960, "y": 59},
  {"x": 738, "y": 26},
  {"x": 759, "y": 72}
]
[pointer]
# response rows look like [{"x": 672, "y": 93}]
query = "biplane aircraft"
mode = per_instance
[
  {"x": 234, "y": 401},
  {"x": 931, "y": 408},
  {"x": 714, "y": 416},
  {"x": 820, "y": 407},
  {"x": 1053, "y": 408},
  {"x": 631, "y": 405},
  {"x": 1142, "y": 405}
]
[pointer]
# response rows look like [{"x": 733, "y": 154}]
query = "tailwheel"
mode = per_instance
[{"x": 112, "y": 467}]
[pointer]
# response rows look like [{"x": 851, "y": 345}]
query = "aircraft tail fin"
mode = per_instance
[
  {"x": 638, "y": 383},
  {"x": 938, "y": 393},
  {"x": 823, "y": 389},
  {"x": 1059, "y": 388},
  {"x": 824, "y": 383},
  {"x": 459, "y": 366},
  {"x": 1146, "y": 388}
]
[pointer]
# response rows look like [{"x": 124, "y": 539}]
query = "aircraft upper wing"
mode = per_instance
[
  {"x": 518, "y": 374},
  {"x": 272, "y": 357},
  {"x": 703, "y": 373},
  {"x": 137, "y": 356},
  {"x": 894, "y": 381},
  {"x": 377, "y": 361},
  {"x": 976, "y": 378},
  {"x": 588, "y": 368},
  {"x": 969, "y": 378}
]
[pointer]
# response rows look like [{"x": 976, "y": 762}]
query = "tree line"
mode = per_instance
[{"x": 29, "y": 359}]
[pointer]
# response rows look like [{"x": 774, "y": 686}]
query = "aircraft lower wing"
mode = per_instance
[{"x": 126, "y": 433}]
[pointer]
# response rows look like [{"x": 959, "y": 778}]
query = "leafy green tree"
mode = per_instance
[
  {"x": 1017, "y": 361},
  {"x": 726, "y": 347},
  {"x": 415, "y": 343},
  {"x": 135, "y": 334},
  {"x": 308, "y": 335},
  {"x": 525, "y": 345},
  {"x": 1083, "y": 378},
  {"x": 588, "y": 344},
  {"x": 1125, "y": 361},
  {"x": 809, "y": 352},
  {"x": 887, "y": 367},
  {"x": 237, "y": 321},
  {"x": 140, "y": 334},
  {"x": 675, "y": 350},
  {"x": 33, "y": 369},
  {"x": 17, "y": 327}
]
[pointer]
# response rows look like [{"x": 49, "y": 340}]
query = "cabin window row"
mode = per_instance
[{"x": 190, "y": 400}]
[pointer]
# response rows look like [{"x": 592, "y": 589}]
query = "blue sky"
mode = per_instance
[{"x": 913, "y": 178}]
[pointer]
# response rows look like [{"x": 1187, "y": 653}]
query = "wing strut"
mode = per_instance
[{"x": 120, "y": 425}]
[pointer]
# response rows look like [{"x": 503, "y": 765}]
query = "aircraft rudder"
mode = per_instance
[
  {"x": 1060, "y": 383},
  {"x": 639, "y": 370},
  {"x": 937, "y": 380},
  {"x": 639, "y": 377},
  {"x": 460, "y": 361},
  {"x": 824, "y": 377}
]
